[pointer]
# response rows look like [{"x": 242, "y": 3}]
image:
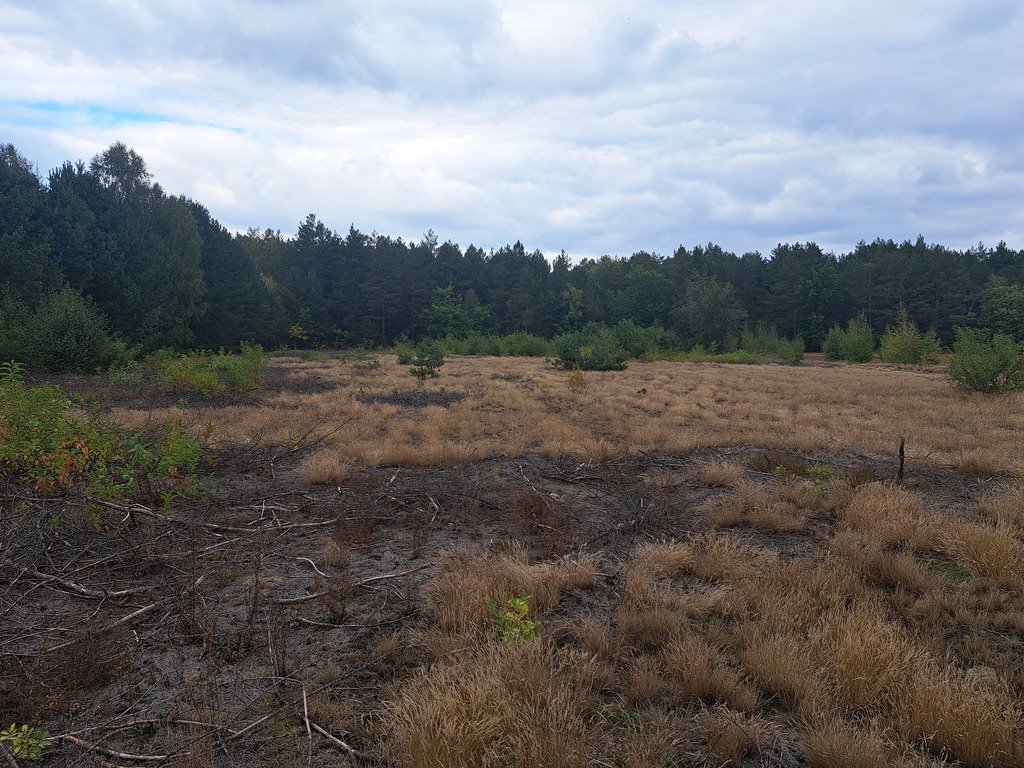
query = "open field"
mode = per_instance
[
  {"x": 514, "y": 407},
  {"x": 721, "y": 569}
]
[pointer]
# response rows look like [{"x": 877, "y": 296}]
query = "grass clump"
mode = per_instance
[
  {"x": 986, "y": 364},
  {"x": 211, "y": 373},
  {"x": 522, "y": 704}
]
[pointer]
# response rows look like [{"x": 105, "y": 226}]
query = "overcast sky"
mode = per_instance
[{"x": 597, "y": 127}]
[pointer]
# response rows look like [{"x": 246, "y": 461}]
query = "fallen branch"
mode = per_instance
[
  {"x": 96, "y": 748},
  {"x": 358, "y": 584},
  {"x": 78, "y": 589}
]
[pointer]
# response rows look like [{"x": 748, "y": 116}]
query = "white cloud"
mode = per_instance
[{"x": 590, "y": 126}]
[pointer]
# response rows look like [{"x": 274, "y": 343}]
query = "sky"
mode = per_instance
[{"x": 590, "y": 126}]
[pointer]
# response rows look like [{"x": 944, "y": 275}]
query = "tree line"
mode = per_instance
[{"x": 102, "y": 249}]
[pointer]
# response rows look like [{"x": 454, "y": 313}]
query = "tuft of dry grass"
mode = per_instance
[
  {"x": 979, "y": 726},
  {"x": 458, "y": 597},
  {"x": 881, "y": 567},
  {"x": 524, "y": 703},
  {"x": 836, "y": 743},
  {"x": 697, "y": 670},
  {"x": 982, "y": 462},
  {"x": 893, "y": 516},
  {"x": 326, "y": 466},
  {"x": 732, "y": 736},
  {"x": 779, "y": 516},
  {"x": 988, "y": 551},
  {"x": 644, "y": 680},
  {"x": 722, "y": 474},
  {"x": 779, "y": 663},
  {"x": 868, "y": 660},
  {"x": 1007, "y": 506}
]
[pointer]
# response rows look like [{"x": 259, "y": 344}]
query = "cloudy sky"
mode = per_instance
[{"x": 597, "y": 127}]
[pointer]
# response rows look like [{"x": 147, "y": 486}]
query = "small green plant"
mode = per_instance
[
  {"x": 405, "y": 352},
  {"x": 428, "y": 359},
  {"x": 821, "y": 475},
  {"x": 511, "y": 623},
  {"x": 780, "y": 471},
  {"x": 11, "y": 372},
  {"x": 26, "y": 742},
  {"x": 987, "y": 364}
]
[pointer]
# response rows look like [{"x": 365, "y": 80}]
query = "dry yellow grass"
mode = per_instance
[
  {"x": 893, "y": 516},
  {"x": 1007, "y": 506},
  {"x": 524, "y": 704},
  {"x": 518, "y": 406},
  {"x": 458, "y": 597},
  {"x": 839, "y": 744},
  {"x": 988, "y": 551},
  {"x": 722, "y": 474},
  {"x": 697, "y": 670}
]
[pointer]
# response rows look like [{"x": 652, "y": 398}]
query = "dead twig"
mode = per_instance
[
  {"x": 90, "y": 747},
  {"x": 357, "y": 585}
]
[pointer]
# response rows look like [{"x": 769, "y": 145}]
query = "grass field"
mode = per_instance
[{"x": 676, "y": 565}]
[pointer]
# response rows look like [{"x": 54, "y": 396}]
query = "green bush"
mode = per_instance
[
  {"x": 594, "y": 349},
  {"x": 404, "y": 351},
  {"x": 428, "y": 359},
  {"x": 483, "y": 346},
  {"x": 856, "y": 343},
  {"x": 45, "y": 443},
  {"x": 63, "y": 333},
  {"x": 642, "y": 342},
  {"x": 989, "y": 364},
  {"x": 211, "y": 373},
  {"x": 904, "y": 344},
  {"x": 765, "y": 343},
  {"x": 524, "y": 345}
]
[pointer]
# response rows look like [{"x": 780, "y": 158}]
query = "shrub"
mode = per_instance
[
  {"x": 594, "y": 349},
  {"x": 856, "y": 343},
  {"x": 212, "y": 373},
  {"x": 981, "y": 363},
  {"x": 765, "y": 343},
  {"x": 644, "y": 342},
  {"x": 44, "y": 443},
  {"x": 904, "y": 344},
  {"x": 405, "y": 352},
  {"x": 63, "y": 333},
  {"x": 524, "y": 345},
  {"x": 485, "y": 346},
  {"x": 428, "y": 359}
]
